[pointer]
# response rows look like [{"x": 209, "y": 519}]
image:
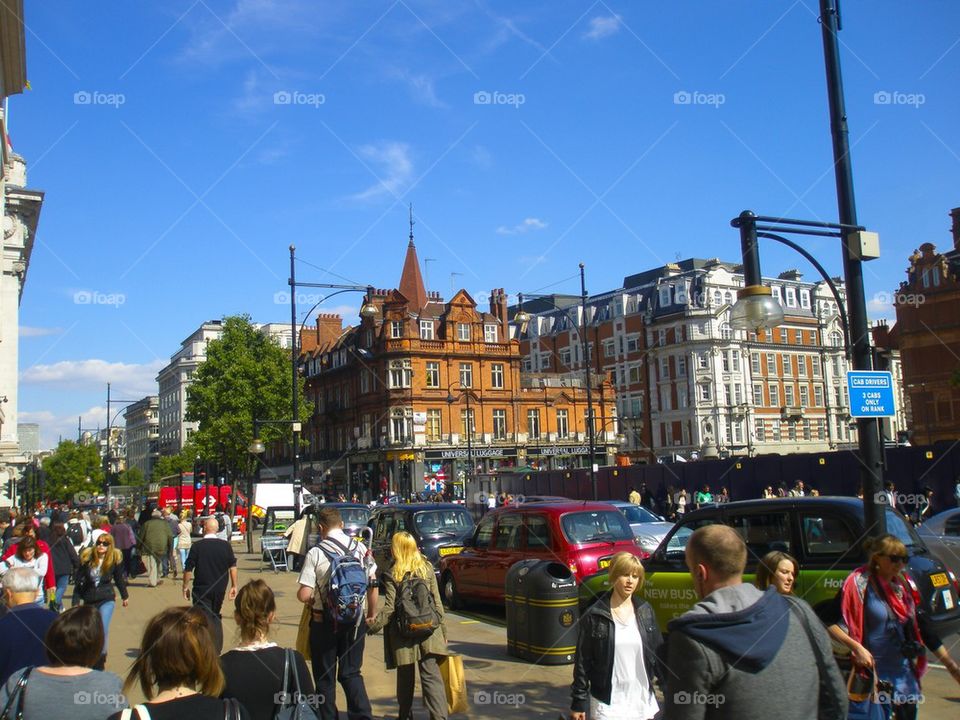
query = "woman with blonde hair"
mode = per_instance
[
  {"x": 101, "y": 568},
  {"x": 179, "y": 672},
  {"x": 777, "y": 569},
  {"x": 183, "y": 539},
  {"x": 402, "y": 646},
  {"x": 254, "y": 671},
  {"x": 617, "y": 644},
  {"x": 880, "y": 625}
]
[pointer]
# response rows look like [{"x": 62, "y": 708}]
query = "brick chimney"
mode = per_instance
[
  {"x": 881, "y": 335},
  {"x": 328, "y": 329},
  {"x": 498, "y": 308},
  {"x": 955, "y": 228}
]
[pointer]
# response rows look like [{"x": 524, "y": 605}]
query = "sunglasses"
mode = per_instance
[
  {"x": 898, "y": 558},
  {"x": 103, "y": 544}
]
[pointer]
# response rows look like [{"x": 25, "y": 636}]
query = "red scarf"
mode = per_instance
[{"x": 899, "y": 597}]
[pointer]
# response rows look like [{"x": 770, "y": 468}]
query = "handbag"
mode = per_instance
[
  {"x": 295, "y": 706},
  {"x": 454, "y": 683},
  {"x": 826, "y": 703},
  {"x": 17, "y": 696},
  {"x": 303, "y": 633}
]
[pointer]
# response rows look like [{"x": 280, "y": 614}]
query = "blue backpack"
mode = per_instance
[{"x": 348, "y": 583}]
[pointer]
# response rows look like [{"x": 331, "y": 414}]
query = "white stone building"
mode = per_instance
[
  {"x": 142, "y": 420},
  {"x": 21, "y": 212},
  {"x": 173, "y": 380}
]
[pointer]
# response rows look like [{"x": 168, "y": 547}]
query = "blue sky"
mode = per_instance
[{"x": 184, "y": 145}]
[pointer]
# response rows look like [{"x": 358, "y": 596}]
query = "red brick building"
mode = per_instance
[
  {"x": 397, "y": 396},
  {"x": 928, "y": 335}
]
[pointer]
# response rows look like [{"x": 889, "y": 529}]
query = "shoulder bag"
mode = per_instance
[
  {"x": 17, "y": 697},
  {"x": 825, "y": 703},
  {"x": 141, "y": 713},
  {"x": 293, "y": 706}
]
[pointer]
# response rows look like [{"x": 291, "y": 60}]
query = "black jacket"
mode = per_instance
[
  {"x": 91, "y": 594},
  {"x": 593, "y": 664},
  {"x": 64, "y": 556}
]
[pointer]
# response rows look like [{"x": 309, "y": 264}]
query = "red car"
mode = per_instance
[{"x": 581, "y": 535}]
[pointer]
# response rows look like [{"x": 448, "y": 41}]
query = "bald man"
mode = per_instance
[
  {"x": 744, "y": 653},
  {"x": 212, "y": 561}
]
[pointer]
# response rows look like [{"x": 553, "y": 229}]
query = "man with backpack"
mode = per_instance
[{"x": 339, "y": 583}]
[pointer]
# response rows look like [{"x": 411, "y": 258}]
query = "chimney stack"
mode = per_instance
[{"x": 955, "y": 228}]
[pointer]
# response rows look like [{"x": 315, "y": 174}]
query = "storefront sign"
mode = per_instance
[
  {"x": 461, "y": 453},
  {"x": 556, "y": 450}
]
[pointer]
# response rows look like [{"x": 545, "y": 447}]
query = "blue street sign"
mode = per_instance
[{"x": 871, "y": 393}]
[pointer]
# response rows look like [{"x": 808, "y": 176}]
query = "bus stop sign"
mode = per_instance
[{"x": 871, "y": 393}]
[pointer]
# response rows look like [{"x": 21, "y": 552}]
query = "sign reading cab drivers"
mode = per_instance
[{"x": 871, "y": 393}]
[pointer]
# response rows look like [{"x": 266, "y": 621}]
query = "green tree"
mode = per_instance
[
  {"x": 73, "y": 472},
  {"x": 168, "y": 465},
  {"x": 246, "y": 375},
  {"x": 130, "y": 476}
]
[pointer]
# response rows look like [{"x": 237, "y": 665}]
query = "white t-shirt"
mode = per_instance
[
  {"x": 630, "y": 695},
  {"x": 317, "y": 564}
]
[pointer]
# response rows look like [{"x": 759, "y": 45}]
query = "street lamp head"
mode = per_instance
[
  {"x": 368, "y": 310},
  {"x": 450, "y": 399},
  {"x": 257, "y": 447},
  {"x": 522, "y": 317},
  {"x": 756, "y": 309}
]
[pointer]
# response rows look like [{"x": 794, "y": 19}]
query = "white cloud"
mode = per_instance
[
  {"x": 28, "y": 331},
  {"x": 127, "y": 379},
  {"x": 528, "y": 224},
  {"x": 422, "y": 88},
  {"x": 603, "y": 26},
  {"x": 392, "y": 163},
  {"x": 54, "y": 427},
  {"x": 482, "y": 157}
]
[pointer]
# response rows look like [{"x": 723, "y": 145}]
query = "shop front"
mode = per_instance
[
  {"x": 448, "y": 470},
  {"x": 564, "y": 457}
]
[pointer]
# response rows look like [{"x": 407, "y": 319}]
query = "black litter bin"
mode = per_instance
[{"x": 542, "y": 612}]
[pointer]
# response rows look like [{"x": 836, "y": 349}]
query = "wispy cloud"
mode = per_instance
[
  {"x": 603, "y": 26},
  {"x": 126, "y": 378},
  {"x": 28, "y": 331},
  {"x": 528, "y": 224},
  {"x": 394, "y": 167},
  {"x": 55, "y": 427},
  {"x": 482, "y": 157},
  {"x": 422, "y": 89}
]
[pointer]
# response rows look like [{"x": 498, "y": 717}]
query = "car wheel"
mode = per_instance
[{"x": 450, "y": 595}]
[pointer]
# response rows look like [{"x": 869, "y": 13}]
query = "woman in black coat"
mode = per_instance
[
  {"x": 65, "y": 561},
  {"x": 101, "y": 569},
  {"x": 616, "y": 660}
]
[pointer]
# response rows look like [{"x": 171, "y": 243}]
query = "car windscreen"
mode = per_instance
[
  {"x": 354, "y": 516},
  {"x": 595, "y": 526},
  {"x": 899, "y": 527},
  {"x": 638, "y": 514},
  {"x": 443, "y": 522}
]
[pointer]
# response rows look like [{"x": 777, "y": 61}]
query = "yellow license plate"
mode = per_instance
[
  {"x": 939, "y": 580},
  {"x": 604, "y": 564},
  {"x": 450, "y": 551}
]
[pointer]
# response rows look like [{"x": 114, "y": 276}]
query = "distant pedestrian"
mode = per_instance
[
  {"x": 100, "y": 571},
  {"x": 402, "y": 652},
  {"x": 65, "y": 562},
  {"x": 25, "y": 555},
  {"x": 798, "y": 489},
  {"x": 125, "y": 541},
  {"x": 24, "y": 625},
  {"x": 156, "y": 543},
  {"x": 681, "y": 503},
  {"x": 634, "y": 496},
  {"x": 210, "y": 564},
  {"x": 27, "y": 528},
  {"x": 170, "y": 561},
  {"x": 702, "y": 497},
  {"x": 65, "y": 684},
  {"x": 184, "y": 537},
  {"x": 178, "y": 670}
]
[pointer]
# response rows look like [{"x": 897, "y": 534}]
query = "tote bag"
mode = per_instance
[{"x": 454, "y": 683}]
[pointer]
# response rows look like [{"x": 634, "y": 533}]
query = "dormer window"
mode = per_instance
[
  {"x": 490, "y": 333},
  {"x": 463, "y": 332},
  {"x": 396, "y": 328},
  {"x": 426, "y": 329}
]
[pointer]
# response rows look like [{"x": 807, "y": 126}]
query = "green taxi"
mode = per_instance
[{"x": 824, "y": 534}]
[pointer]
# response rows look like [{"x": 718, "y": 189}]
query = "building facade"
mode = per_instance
[
  {"x": 29, "y": 437},
  {"x": 142, "y": 420},
  {"x": 927, "y": 334},
  {"x": 173, "y": 380},
  {"x": 20, "y": 210},
  {"x": 688, "y": 385},
  {"x": 429, "y": 394}
]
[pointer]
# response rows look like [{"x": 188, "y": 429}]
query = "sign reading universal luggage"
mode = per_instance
[{"x": 871, "y": 393}]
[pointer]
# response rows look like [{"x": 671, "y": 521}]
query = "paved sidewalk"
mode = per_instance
[{"x": 498, "y": 685}]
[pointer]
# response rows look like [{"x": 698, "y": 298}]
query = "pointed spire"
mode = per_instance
[{"x": 411, "y": 281}]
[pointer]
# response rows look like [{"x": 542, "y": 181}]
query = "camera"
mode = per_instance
[{"x": 912, "y": 649}]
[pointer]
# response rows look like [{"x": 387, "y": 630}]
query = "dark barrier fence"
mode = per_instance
[{"x": 911, "y": 469}]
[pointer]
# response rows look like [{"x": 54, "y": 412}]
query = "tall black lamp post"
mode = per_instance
[
  {"x": 106, "y": 454},
  {"x": 756, "y": 309},
  {"x": 522, "y": 317},
  {"x": 368, "y": 309}
]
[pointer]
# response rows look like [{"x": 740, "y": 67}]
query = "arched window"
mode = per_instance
[
  {"x": 717, "y": 298},
  {"x": 726, "y": 332},
  {"x": 728, "y": 297},
  {"x": 836, "y": 339}
]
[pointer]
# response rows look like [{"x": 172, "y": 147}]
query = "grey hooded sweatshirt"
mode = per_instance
[{"x": 742, "y": 653}]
